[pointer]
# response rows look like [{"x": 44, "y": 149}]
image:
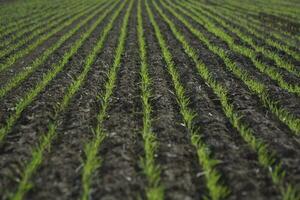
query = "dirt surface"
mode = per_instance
[{"x": 120, "y": 175}]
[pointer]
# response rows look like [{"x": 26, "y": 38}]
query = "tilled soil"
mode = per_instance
[{"x": 120, "y": 175}]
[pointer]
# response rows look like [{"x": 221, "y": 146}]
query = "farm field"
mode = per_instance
[{"x": 149, "y": 99}]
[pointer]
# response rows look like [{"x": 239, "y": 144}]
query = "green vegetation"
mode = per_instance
[
  {"x": 226, "y": 20},
  {"x": 10, "y": 60},
  {"x": 36, "y": 30},
  {"x": 18, "y": 78},
  {"x": 253, "y": 21},
  {"x": 289, "y": 13},
  {"x": 237, "y": 137},
  {"x": 92, "y": 161},
  {"x": 30, "y": 96},
  {"x": 216, "y": 189},
  {"x": 266, "y": 158},
  {"x": 24, "y": 16},
  {"x": 275, "y": 75},
  {"x": 254, "y": 85},
  {"x": 154, "y": 190},
  {"x": 46, "y": 140}
]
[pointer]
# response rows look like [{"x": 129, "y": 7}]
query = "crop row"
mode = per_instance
[
  {"x": 248, "y": 39},
  {"x": 56, "y": 68},
  {"x": 227, "y": 21},
  {"x": 28, "y": 17},
  {"x": 266, "y": 157},
  {"x": 253, "y": 20},
  {"x": 247, "y": 52},
  {"x": 18, "y": 78},
  {"x": 10, "y": 60},
  {"x": 36, "y": 23},
  {"x": 11, "y": 45},
  {"x": 255, "y": 86},
  {"x": 154, "y": 190},
  {"x": 93, "y": 160},
  {"x": 169, "y": 11},
  {"x": 213, "y": 178},
  {"x": 289, "y": 13},
  {"x": 46, "y": 140}
]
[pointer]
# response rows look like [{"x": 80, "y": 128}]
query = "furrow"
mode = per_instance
[
  {"x": 281, "y": 63},
  {"x": 213, "y": 178},
  {"x": 255, "y": 9},
  {"x": 46, "y": 140},
  {"x": 175, "y": 154},
  {"x": 29, "y": 97},
  {"x": 266, "y": 157},
  {"x": 92, "y": 161},
  {"x": 253, "y": 20},
  {"x": 273, "y": 73},
  {"x": 18, "y": 78},
  {"x": 226, "y": 21},
  {"x": 255, "y": 86},
  {"x": 10, "y": 60},
  {"x": 15, "y": 24},
  {"x": 65, "y": 158},
  {"x": 154, "y": 190},
  {"x": 18, "y": 39}
]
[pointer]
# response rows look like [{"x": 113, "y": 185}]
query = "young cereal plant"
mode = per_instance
[
  {"x": 283, "y": 36},
  {"x": 30, "y": 96},
  {"x": 46, "y": 140},
  {"x": 200, "y": 12},
  {"x": 11, "y": 25},
  {"x": 92, "y": 161},
  {"x": 251, "y": 54},
  {"x": 266, "y": 158},
  {"x": 10, "y": 60},
  {"x": 154, "y": 190},
  {"x": 214, "y": 184},
  {"x": 40, "y": 28},
  {"x": 253, "y": 29},
  {"x": 18, "y": 78},
  {"x": 256, "y": 87}
]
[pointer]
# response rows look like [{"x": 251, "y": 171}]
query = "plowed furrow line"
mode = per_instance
[
  {"x": 227, "y": 21},
  {"x": 121, "y": 174},
  {"x": 253, "y": 21},
  {"x": 7, "y": 35},
  {"x": 213, "y": 178},
  {"x": 18, "y": 39},
  {"x": 92, "y": 160},
  {"x": 71, "y": 135},
  {"x": 46, "y": 140},
  {"x": 154, "y": 190},
  {"x": 12, "y": 25},
  {"x": 281, "y": 63},
  {"x": 24, "y": 10},
  {"x": 30, "y": 96},
  {"x": 255, "y": 9},
  {"x": 256, "y": 87},
  {"x": 222, "y": 138},
  {"x": 175, "y": 154},
  {"x": 273, "y": 73},
  {"x": 266, "y": 157},
  {"x": 18, "y": 78},
  {"x": 10, "y": 60}
]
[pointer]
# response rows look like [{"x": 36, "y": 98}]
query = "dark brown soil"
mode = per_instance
[
  {"x": 121, "y": 175},
  {"x": 35, "y": 118},
  {"x": 175, "y": 148},
  {"x": 249, "y": 106},
  {"x": 281, "y": 23}
]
